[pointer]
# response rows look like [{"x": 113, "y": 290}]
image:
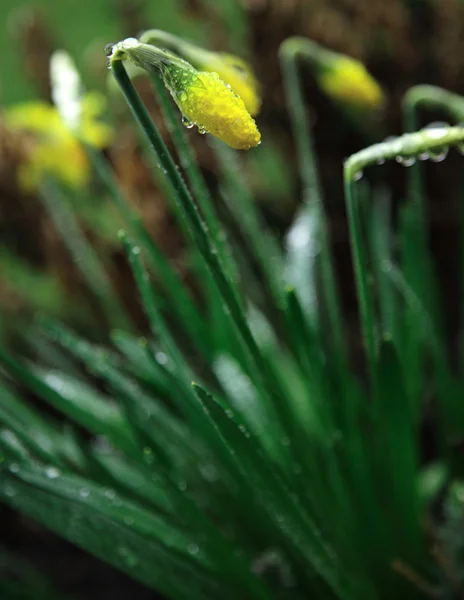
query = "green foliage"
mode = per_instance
[{"x": 236, "y": 453}]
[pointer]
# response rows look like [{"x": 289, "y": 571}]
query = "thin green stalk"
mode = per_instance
[
  {"x": 438, "y": 99},
  {"x": 290, "y": 52},
  {"x": 83, "y": 254},
  {"x": 243, "y": 207},
  {"x": 429, "y": 97},
  {"x": 407, "y": 146},
  {"x": 157, "y": 323},
  {"x": 200, "y": 190},
  {"x": 183, "y": 305},
  {"x": 361, "y": 272}
]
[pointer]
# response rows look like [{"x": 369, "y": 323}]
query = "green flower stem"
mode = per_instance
[
  {"x": 432, "y": 98},
  {"x": 290, "y": 53},
  {"x": 243, "y": 207},
  {"x": 157, "y": 323},
  {"x": 257, "y": 362},
  {"x": 186, "y": 311},
  {"x": 83, "y": 254},
  {"x": 429, "y": 97},
  {"x": 199, "y": 188},
  {"x": 409, "y": 145}
]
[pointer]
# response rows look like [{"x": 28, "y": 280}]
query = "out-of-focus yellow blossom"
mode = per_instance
[
  {"x": 231, "y": 69},
  {"x": 203, "y": 98},
  {"x": 55, "y": 150},
  {"x": 347, "y": 80}
]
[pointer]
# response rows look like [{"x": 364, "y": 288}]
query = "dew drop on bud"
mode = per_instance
[
  {"x": 358, "y": 175},
  {"x": 187, "y": 123}
]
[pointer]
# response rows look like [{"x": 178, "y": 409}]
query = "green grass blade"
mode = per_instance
[{"x": 83, "y": 254}]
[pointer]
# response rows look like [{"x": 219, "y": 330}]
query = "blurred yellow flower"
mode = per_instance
[
  {"x": 231, "y": 69},
  {"x": 56, "y": 150},
  {"x": 202, "y": 97},
  {"x": 348, "y": 81}
]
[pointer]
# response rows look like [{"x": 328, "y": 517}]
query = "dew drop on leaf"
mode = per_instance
[
  {"x": 128, "y": 557},
  {"x": 9, "y": 491},
  {"x": 193, "y": 549},
  {"x": 84, "y": 492},
  {"x": 110, "y": 494},
  {"x": 52, "y": 473}
]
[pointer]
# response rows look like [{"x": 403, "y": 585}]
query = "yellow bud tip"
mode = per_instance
[
  {"x": 349, "y": 82},
  {"x": 208, "y": 102},
  {"x": 236, "y": 72}
]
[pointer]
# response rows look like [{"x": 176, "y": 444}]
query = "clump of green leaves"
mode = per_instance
[{"x": 235, "y": 452}]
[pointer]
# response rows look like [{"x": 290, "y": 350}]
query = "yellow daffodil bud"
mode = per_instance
[
  {"x": 231, "y": 69},
  {"x": 202, "y": 97},
  {"x": 346, "y": 80}
]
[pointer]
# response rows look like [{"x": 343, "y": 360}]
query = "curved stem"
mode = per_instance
[
  {"x": 290, "y": 52},
  {"x": 409, "y": 145}
]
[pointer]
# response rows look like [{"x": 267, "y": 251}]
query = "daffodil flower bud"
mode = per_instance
[
  {"x": 202, "y": 97},
  {"x": 348, "y": 81},
  {"x": 230, "y": 68},
  {"x": 343, "y": 79}
]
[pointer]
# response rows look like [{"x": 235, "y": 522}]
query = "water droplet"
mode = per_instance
[
  {"x": 128, "y": 557},
  {"x": 246, "y": 147},
  {"x": 161, "y": 358},
  {"x": 186, "y": 122},
  {"x": 358, "y": 176},
  {"x": 193, "y": 549},
  {"x": 182, "y": 485},
  {"x": 424, "y": 156},
  {"x": 52, "y": 473},
  {"x": 14, "y": 468},
  {"x": 380, "y": 161},
  {"x": 210, "y": 473},
  {"x": 129, "y": 521},
  {"x": 84, "y": 492},
  {"x": 438, "y": 155},
  {"x": 148, "y": 455},
  {"x": 9, "y": 491},
  {"x": 406, "y": 161},
  {"x": 136, "y": 250},
  {"x": 110, "y": 494},
  {"x": 202, "y": 130}
]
